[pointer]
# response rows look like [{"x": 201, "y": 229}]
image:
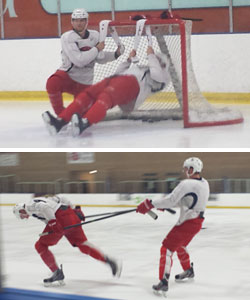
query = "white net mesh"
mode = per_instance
[{"x": 169, "y": 103}]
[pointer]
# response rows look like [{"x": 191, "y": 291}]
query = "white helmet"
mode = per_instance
[
  {"x": 17, "y": 208},
  {"x": 79, "y": 13},
  {"x": 162, "y": 59},
  {"x": 195, "y": 163}
]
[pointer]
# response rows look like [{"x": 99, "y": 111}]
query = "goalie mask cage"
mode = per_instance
[{"x": 182, "y": 98}]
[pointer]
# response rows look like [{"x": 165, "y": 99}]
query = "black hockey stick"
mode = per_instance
[
  {"x": 152, "y": 214},
  {"x": 102, "y": 214},
  {"x": 172, "y": 211},
  {"x": 192, "y": 19},
  {"x": 169, "y": 15}
]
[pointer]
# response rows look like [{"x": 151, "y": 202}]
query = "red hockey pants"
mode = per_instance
[
  {"x": 94, "y": 101},
  {"x": 177, "y": 240},
  {"x": 59, "y": 83},
  {"x": 75, "y": 235}
]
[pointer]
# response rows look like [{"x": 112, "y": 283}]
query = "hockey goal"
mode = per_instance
[{"x": 182, "y": 98}]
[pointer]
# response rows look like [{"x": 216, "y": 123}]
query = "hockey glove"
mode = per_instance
[
  {"x": 79, "y": 213},
  {"x": 54, "y": 226},
  {"x": 144, "y": 207},
  {"x": 119, "y": 51}
]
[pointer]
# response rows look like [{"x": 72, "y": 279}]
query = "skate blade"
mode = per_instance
[
  {"x": 51, "y": 129},
  {"x": 185, "y": 280},
  {"x": 54, "y": 284},
  {"x": 119, "y": 271},
  {"x": 160, "y": 293},
  {"x": 75, "y": 126}
]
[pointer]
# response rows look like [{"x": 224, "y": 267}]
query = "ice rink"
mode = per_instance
[
  {"x": 220, "y": 254},
  {"x": 22, "y": 127}
]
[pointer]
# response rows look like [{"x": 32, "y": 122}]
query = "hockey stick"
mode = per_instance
[
  {"x": 149, "y": 35},
  {"x": 152, "y": 214},
  {"x": 173, "y": 74},
  {"x": 139, "y": 29},
  {"x": 99, "y": 215},
  {"x": 116, "y": 39},
  {"x": 103, "y": 28},
  {"x": 192, "y": 19},
  {"x": 110, "y": 213},
  {"x": 104, "y": 214},
  {"x": 172, "y": 211},
  {"x": 172, "y": 70},
  {"x": 169, "y": 15},
  {"x": 95, "y": 220}
]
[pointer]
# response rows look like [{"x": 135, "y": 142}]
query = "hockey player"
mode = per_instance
[
  {"x": 128, "y": 88},
  {"x": 80, "y": 48},
  {"x": 191, "y": 195},
  {"x": 57, "y": 212}
]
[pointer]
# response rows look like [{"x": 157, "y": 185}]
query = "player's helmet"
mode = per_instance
[
  {"x": 195, "y": 163},
  {"x": 17, "y": 210},
  {"x": 162, "y": 59},
  {"x": 79, "y": 13}
]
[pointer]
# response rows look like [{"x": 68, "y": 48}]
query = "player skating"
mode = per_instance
[
  {"x": 80, "y": 48},
  {"x": 57, "y": 212},
  {"x": 128, "y": 88},
  {"x": 191, "y": 195}
]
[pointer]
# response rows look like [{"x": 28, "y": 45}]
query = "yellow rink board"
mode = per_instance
[
  {"x": 134, "y": 206},
  {"x": 219, "y": 98}
]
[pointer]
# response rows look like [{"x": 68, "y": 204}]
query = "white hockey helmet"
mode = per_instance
[
  {"x": 79, "y": 13},
  {"x": 19, "y": 211},
  {"x": 195, "y": 163},
  {"x": 162, "y": 59}
]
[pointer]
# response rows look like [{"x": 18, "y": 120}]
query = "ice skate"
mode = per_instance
[
  {"x": 56, "y": 278},
  {"x": 115, "y": 267},
  {"x": 161, "y": 287},
  {"x": 53, "y": 124},
  {"x": 186, "y": 275},
  {"x": 78, "y": 124}
]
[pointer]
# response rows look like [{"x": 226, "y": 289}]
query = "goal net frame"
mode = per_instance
[{"x": 191, "y": 117}]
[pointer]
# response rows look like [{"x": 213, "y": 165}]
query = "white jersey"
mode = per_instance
[
  {"x": 79, "y": 55},
  {"x": 44, "y": 208},
  {"x": 191, "y": 195},
  {"x": 152, "y": 78}
]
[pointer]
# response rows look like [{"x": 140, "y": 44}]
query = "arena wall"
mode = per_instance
[{"x": 221, "y": 64}]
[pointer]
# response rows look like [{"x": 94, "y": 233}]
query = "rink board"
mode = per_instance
[{"x": 19, "y": 294}]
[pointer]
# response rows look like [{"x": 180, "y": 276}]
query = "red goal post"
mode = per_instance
[{"x": 182, "y": 98}]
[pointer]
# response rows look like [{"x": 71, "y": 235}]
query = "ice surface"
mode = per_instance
[
  {"x": 220, "y": 253},
  {"x": 21, "y": 126}
]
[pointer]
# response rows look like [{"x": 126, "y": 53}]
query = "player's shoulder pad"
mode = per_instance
[
  {"x": 70, "y": 36},
  {"x": 93, "y": 34}
]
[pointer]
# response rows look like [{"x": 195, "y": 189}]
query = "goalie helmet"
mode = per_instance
[
  {"x": 19, "y": 211},
  {"x": 79, "y": 13},
  {"x": 195, "y": 163}
]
